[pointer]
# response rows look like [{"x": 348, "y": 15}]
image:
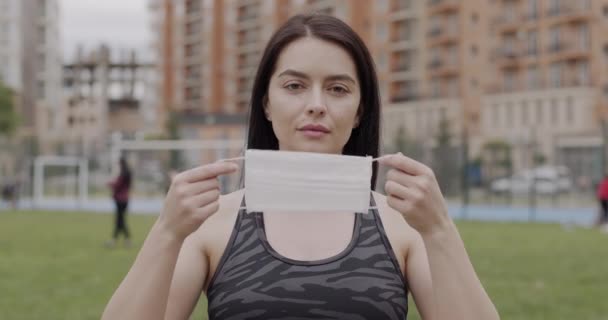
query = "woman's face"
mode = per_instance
[{"x": 313, "y": 97}]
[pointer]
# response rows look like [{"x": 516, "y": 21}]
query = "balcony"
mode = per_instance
[
  {"x": 575, "y": 49},
  {"x": 404, "y": 96},
  {"x": 442, "y": 6},
  {"x": 401, "y": 67},
  {"x": 570, "y": 12},
  {"x": 441, "y": 68},
  {"x": 508, "y": 22},
  {"x": 509, "y": 57},
  {"x": 443, "y": 36}
]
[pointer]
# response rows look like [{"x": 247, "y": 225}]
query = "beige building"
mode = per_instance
[
  {"x": 530, "y": 73},
  {"x": 30, "y": 64}
]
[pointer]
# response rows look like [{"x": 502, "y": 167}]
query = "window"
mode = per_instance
[
  {"x": 509, "y": 114},
  {"x": 539, "y": 112},
  {"x": 453, "y": 87},
  {"x": 524, "y": 113},
  {"x": 453, "y": 56},
  {"x": 510, "y": 79},
  {"x": 453, "y": 24},
  {"x": 554, "y": 6},
  {"x": 382, "y": 5},
  {"x": 474, "y": 50},
  {"x": 435, "y": 88},
  {"x": 570, "y": 110},
  {"x": 382, "y": 60},
  {"x": 533, "y": 9},
  {"x": 554, "y": 112},
  {"x": 555, "y": 74},
  {"x": 495, "y": 115},
  {"x": 532, "y": 78},
  {"x": 554, "y": 39},
  {"x": 42, "y": 7},
  {"x": 532, "y": 42},
  {"x": 583, "y": 73},
  {"x": 583, "y": 37},
  {"x": 40, "y": 90},
  {"x": 381, "y": 32}
]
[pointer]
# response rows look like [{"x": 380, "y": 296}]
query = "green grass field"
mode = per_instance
[{"x": 54, "y": 266}]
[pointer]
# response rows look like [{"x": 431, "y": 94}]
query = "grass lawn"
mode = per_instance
[{"x": 54, "y": 266}]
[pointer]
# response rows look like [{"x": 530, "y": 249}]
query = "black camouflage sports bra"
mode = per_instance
[{"x": 255, "y": 282}]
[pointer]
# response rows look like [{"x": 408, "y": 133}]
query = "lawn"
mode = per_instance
[{"x": 54, "y": 266}]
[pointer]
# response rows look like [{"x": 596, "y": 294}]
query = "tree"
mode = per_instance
[
  {"x": 175, "y": 159},
  {"x": 445, "y": 158},
  {"x": 8, "y": 112},
  {"x": 404, "y": 144},
  {"x": 497, "y": 160}
]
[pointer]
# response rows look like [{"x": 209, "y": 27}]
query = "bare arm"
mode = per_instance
[
  {"x": 413, "y": 191},
  {"x": 188, "y": 280},
  {"x": 144, "y": 291},
  {"x": 419, "y": 279},
  {"x": 457, "y": 288},
  {"x": 192, "y": 198}
]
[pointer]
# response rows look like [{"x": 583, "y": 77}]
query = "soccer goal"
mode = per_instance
[
  {"x": 154, "y": 161},
  {"x": 53, "y": 173}
]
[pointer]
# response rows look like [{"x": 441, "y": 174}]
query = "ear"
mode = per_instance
[{"x": 266, "y": 109}]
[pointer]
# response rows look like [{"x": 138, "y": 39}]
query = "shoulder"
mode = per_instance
[
  {"x": 399, "y": 233},
  {"x": 213, "y": 235}
]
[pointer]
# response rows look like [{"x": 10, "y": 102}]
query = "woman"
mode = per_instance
[
  {"x": 120, "y": 194},
  {"x": 315, "y": 91},
  {"x": 602, "y": 196}
]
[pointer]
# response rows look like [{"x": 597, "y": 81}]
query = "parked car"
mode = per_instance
[{"x": 544, "y": 180}]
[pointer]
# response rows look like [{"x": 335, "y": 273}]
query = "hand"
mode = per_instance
[
  {"x": 192, "y": 198},
  {"x": 412, "y": 189}
]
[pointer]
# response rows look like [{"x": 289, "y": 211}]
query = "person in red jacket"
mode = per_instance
[
  {"x": 602, "y": 195},
  {"x": 120, "y": 194}
]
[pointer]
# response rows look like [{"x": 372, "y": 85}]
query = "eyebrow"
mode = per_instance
[{"x": 291, "y": 72}]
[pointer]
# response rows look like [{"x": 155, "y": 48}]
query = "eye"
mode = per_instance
[
  {"x": 339, "y": 90},
  {"x": 293, "y": 86}
]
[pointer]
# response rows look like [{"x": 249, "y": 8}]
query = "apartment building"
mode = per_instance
[{"x": 530, "y": 73}]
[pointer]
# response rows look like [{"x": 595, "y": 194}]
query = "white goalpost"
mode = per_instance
[
  {"x": 148, "y": 161},
  {"x": 196, "y": 152},
  {"x": 40, "y": 164},
  {"x": 118, "y": 146}
]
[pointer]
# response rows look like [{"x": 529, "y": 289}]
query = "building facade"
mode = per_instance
[{"x": 530, "y": 73}]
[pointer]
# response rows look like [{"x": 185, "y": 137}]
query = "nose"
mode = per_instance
[{"x": 317, "y": 105}]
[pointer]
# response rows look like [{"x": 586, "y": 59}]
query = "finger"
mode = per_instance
[
  {"x": 403, "y": 206},
  {"x": 405, "y": 164},
  {"x": 208, "y": 210},
  {"x": 191, "y": 189},
  {"x": 394, "y": 189},
  {"x": 203, "y": 199},
  {"x": 209, "y": 171},
  {"x": 401, "y": 177}
]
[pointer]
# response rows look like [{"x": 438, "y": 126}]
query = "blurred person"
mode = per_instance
[
  {"x": 10, "y": 193},
  {"x": 602, "y": 196},
  {"x": 120, "y": 194},
  {"x": 315, "y": 90}
]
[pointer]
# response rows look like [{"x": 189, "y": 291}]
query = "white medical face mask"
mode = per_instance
[{"x": 306, "y": 182}]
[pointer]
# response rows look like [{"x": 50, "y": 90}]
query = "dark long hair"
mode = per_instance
[
  {"x": 365, "y": 138},
  {"x": 125, "y": 172}
]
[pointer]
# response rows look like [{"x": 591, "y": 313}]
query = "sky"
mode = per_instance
[{"x": 122, "y": 24}]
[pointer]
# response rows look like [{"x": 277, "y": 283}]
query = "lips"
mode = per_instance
[
  {"x": 314, "y": 131},
  {"x": 315, "y": 127}
]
